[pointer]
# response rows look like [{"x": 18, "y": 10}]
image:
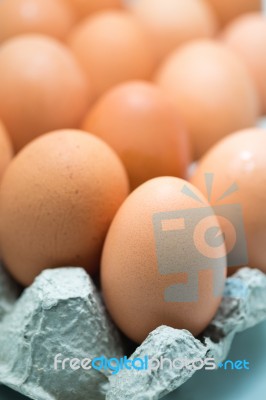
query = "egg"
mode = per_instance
[
  {"x": 6, "y": 151},
  {"x": 212, "y": 91},
  {"x": 151, "y": 263},
  {"x": 171, "y": 23},
  {"x": 57, "y": 199},
  {"x": 50, "y": 17},
  {"x": 227, "y": 10},
  {"x": 240, "y": 160},
  {"x": 113, "y": 48},
  {"x": 139, "y": 122},
  {"x": 247, "y": 36},
  {"x": 83, "y": 8},
  {"x": 42, "y": 88}
]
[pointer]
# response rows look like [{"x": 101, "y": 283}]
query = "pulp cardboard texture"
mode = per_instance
[{"x": 62, "y": 312}]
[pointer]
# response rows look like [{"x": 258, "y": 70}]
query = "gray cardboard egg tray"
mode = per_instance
[{"x": 62, "y": 312}]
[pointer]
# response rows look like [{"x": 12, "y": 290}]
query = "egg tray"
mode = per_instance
[{"x": 63, "y": 313}]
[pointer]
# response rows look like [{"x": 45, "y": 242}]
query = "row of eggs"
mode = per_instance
[
  {"x": 65, "y": 190},
  {"x": 70, "y": 197}
]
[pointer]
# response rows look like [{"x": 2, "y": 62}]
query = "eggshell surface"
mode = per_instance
[
  {"x": 42, "y": 88},
  {"x": 212, "y": 91},
  {"x": 112, "y": 47},
  {"x": 133, "y": 283},
  {"x": 229, "y": 9},
  {"x": 49, "y": 17},
  {"x": 139, "y": 122},
  {"x": 6, "y": 151},
  {"x": 171, "y": 23},
  {"x": 84, "y": 8},
  {"x": 247, "y": 36},
  {"x": 240, "y": 159},
  {"x": 57, "y": 199}
]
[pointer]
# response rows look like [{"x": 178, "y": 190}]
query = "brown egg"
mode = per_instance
[
  {"x": 212, "y": 91},
  {"x": 6, "y": 151},
  {"x": 83, "y": 8},
  {"x": 247, "y": 36},
  {"x": 57, "y": 199},
  {"x": 229, "y": 9},
  {"x": 171, "y": 23},
  {"x": 141, "y": 125},
  {"x": 42, "y": 88},
  {"x": 113, "y": 48},
  {"x": 49, "y": 17},
  {"x": 240, "y": 159},
  {"x": 157, "y": 268}
]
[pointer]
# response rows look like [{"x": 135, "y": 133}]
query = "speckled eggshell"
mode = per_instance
[
  {"x": 212, "y": 90},
  {"x": 133, "y": 287},
  {"x": 240, "y": 158},
  {"x": 139, "y": 122},
  {"x": 57, "y": 200}
]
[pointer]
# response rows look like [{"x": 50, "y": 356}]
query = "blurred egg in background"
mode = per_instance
[
  {"x": 49, "y": 17},
  {"x": 246, "y": 35},
  {"x": 212, "y": 91},
  {"x": 83, "y": 8},
  {"x": 112, "y": 47},
  {"x": 42, "y": 87},
  {"x": 227, "y": 10},
  {"x": 139, "y": 122},
  {"x": 171, "y": 23}
]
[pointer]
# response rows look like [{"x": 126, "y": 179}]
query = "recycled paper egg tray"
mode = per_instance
[{"x": 62, "y": 312}]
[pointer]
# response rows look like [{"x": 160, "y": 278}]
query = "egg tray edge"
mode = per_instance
[{"x": 65, "y": 301}]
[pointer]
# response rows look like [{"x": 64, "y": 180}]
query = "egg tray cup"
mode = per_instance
[{"x": 63, "y": 313}]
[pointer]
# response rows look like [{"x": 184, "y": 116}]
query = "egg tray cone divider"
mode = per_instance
[{"x": 62, "y": 312}]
